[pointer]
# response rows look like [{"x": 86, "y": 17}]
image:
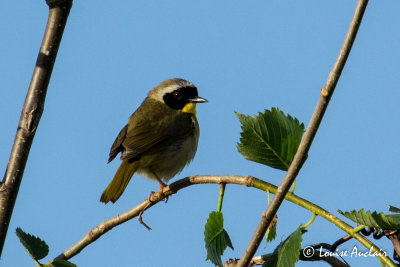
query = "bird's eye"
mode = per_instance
[{"x": 177, "y": 95}]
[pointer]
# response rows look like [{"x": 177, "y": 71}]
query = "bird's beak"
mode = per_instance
[{"x": 197, "y": 99}]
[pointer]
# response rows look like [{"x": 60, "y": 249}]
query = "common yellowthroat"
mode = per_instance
[{"x": 160, "y": 138}]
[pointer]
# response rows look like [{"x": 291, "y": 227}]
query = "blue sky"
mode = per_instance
[{"x": 243, "y": 57}]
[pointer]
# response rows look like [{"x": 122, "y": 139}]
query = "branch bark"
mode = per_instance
[
  {"x": 99, "y": 230},
  {"x": 302, "y": 152},
  {"x": 31, "y": 111},
  {"x": 260, "y": 260}
]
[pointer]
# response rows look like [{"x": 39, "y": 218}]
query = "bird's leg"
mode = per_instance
[{"x": 162, "y": 185}]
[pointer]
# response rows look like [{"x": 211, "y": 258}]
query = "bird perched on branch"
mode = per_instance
[{"x": 160, "y": 138}]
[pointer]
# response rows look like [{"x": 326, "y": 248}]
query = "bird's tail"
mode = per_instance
[{"x": 121, "y": 179}]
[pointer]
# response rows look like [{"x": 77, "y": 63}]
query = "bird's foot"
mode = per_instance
[{"x": 160, "y": 191}]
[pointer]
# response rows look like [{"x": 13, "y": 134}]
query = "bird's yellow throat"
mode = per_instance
[{"x": 190, "y": 108}]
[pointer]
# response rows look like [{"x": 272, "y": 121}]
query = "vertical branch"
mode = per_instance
[
  {"x": 299, "y": 158},
  {"x": 32, "y": 111}
]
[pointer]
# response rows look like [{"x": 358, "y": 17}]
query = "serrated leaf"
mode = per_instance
[
  {"x": 287, "y": 253},
  {"x": 290, "y": 252},
  {"x": 394, "y": 209},
  {"x": 270, "y": 138},
  {"x": 374, "y": 219},
  {"x": 271, "y": 234},
  {"x": 394, "y": 217},
  {"x": 62, "y": 263},
  {"x": 36, "y": 247},
  {"x": 216, "y": 238},
  {"x": 271, "y": 231}
]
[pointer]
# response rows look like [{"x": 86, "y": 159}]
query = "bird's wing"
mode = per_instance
[
  {"x": 117, "y": 145},
  {"x": 161, "y": 126}
]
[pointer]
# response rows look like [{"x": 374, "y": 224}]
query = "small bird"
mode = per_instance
[{"x": 160, "y": 138}]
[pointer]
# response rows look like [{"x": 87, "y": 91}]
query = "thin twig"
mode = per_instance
[
  {"x": 32, "y": 111},
  {"x": 173, "y": 188},
  {"x": 299, "y": 158},
  {"x": 393, "y": 235},
  {"x": 340, "y": 242},
  {"x": 331, "y": 260},
  {"x": 141, "y": 219}
]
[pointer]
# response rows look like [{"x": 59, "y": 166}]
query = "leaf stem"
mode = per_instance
[
  {"x": 221, "y": 196},
  {"x": 293, "y": 187},
  {"x": 310, "y": 221}
]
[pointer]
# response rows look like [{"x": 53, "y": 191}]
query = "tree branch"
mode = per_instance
[
  {"x": 173, "y": 188},
  {"x": 32, "y": 111},
  {"x": 260, "y": 260},
  {"x": 301, "y": 154},
  {"x": 332, "y": 260}
]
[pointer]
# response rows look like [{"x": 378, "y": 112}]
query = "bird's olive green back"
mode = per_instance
[{"x": 153, "y": 123}]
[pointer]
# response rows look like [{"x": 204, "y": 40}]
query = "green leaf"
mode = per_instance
[
  {"x": 382, "y": 221},
  {"x": 287, "y": 253},
  {"x": 271, "y": 234},
  {"x": 271, "y": 138},
  {"x": 393, "y": 209},
  {"x": 62, "y": 263},
  {"x": 37, "y": 248},
  {"x": 271, "y": 231},
  {"x": 216, "y": 238}
]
